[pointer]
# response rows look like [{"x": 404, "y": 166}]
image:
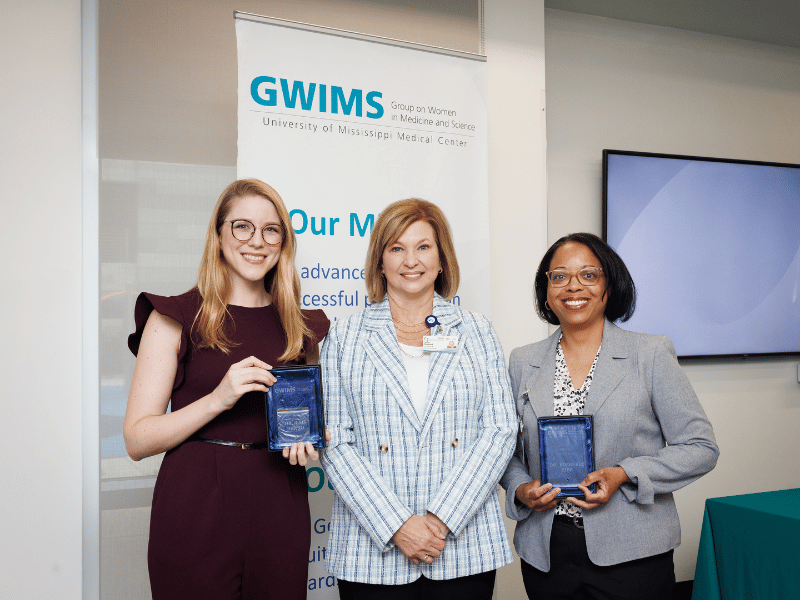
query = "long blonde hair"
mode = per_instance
[{"x": 282, "y": 282}]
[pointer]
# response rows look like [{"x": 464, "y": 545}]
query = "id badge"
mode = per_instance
[{"x": 440, "y": 343}]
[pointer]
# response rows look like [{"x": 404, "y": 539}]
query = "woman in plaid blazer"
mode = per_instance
[{"x": 419, "y": 439}]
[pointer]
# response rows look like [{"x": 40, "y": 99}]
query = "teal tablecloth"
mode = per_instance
[{"x": 750, "y": 548}]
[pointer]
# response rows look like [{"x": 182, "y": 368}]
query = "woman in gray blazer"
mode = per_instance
[{"x": 651, "y": 436}]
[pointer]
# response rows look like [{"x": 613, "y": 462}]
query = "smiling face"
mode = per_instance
[
  {"x": 576, "y": 305},
  {"x": 249, "y": 262},
  {"x": 411, "y": 264}
]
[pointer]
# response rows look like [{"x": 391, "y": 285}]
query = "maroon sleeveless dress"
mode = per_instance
[{"x": 227, "y": 523}]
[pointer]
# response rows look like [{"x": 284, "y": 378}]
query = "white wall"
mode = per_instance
[
  {"x": 40, "y": 300},
  {"x": 517, "y": 179},
  {"x": 626, "y": 86}
]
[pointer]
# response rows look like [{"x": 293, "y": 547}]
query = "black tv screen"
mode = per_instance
[{"x": 713, "y": 246}]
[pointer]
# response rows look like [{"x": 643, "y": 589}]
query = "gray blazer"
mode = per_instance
[{"x": 647, "y": 420}]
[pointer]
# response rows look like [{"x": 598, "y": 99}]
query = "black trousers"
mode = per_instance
[
  {"x": 471, "y": 587},
  {"x": 573, "y": 576}
]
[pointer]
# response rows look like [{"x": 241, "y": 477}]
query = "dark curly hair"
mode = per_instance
[{"x": 620, "y": 288}]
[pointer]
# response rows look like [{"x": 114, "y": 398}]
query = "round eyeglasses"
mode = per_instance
[
  {"x": 243, "y": 230},
  {"x": 586, "y": 276}
]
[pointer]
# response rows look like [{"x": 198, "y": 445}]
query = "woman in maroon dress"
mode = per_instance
[{"x": 229, "y": 520}]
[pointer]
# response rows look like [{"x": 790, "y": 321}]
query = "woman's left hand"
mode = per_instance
[
  {"x": 608, "y": 481},
  {"x": 436, "y": 525},
  {"x": 300, "y": 453}
]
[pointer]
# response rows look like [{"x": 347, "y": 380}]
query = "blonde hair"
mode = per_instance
[
  {"x": 282, "y": 281},
  {"x": 391, "y": 224}
]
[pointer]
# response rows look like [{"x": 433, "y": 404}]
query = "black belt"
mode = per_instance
[
  {"x": 576, "y": 521},
  {"x": 243, "y": 446}
]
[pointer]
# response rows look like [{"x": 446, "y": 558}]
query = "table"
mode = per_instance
[{"x": 750, "y": 548}]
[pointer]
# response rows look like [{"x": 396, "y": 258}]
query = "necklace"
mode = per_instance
[
  {"x": 396, "y": 320},
  {"x": 413, "y": 355},
  {"x": 408, "y": 338},
  {"x": 424, "y": 327},
  {"x": 413, "y": 334}
]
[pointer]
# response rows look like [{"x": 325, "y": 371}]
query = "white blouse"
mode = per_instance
[{"x": 417, "y": 363}]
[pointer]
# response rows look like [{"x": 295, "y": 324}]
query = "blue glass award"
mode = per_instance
[
  {"x": 567, "y": 452},
  {"x": 294, "y": 407}
]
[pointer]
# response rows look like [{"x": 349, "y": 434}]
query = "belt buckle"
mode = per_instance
[
  {"x": 246, "y": 446},
  {"x": 576, "y": 522}
]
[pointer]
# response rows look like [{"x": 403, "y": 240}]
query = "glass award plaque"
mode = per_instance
[
  {"x": 294, "y": 407},
  {"x": 566, "y": 450}
]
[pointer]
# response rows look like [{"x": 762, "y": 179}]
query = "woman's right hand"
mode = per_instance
[
  {"x": 248, "y": 375},
  {"x": 537, "y": 496}
]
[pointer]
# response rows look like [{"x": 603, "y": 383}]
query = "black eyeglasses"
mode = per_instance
[
  {"x": 243, "y": 230},
  {"x": 587, "y": 276}
]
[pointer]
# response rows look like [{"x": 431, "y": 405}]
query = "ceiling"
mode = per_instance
[{"x": 767, "y": 21}]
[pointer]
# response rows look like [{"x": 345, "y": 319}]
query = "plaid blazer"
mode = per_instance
[{"x": 386, "y": 463}]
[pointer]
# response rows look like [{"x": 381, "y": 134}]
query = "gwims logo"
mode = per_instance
[{"x": 265, "y": 93}]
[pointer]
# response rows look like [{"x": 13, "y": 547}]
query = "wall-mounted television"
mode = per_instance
[{"x": 713, "y": 246}]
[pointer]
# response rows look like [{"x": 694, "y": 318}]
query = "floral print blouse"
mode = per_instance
[{"x": 568, "y": 401}]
